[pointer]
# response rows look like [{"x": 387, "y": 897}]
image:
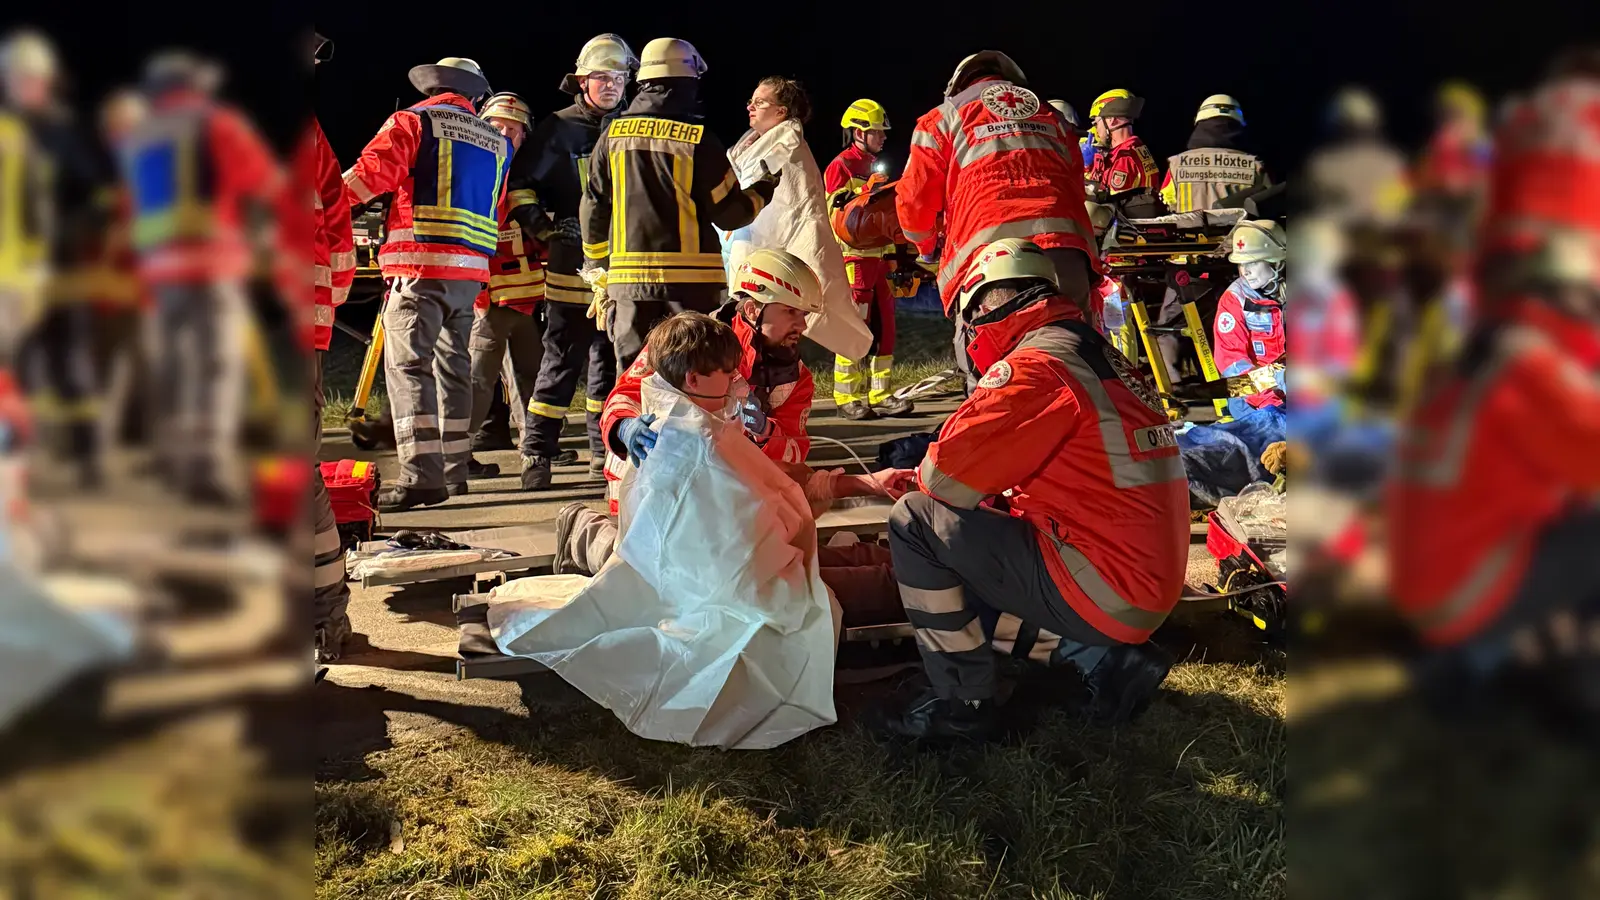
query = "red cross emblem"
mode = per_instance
[
  {"x": 1240, "y": 244},
  {"x": 1009, "y": 99}
]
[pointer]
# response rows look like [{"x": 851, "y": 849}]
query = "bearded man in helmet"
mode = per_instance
[
  {"x": 1053, "y": 518},
  {"x": 1248, "y": 331},
  {"x": 774, "y": 291},
  {"x": 1493, "y": 522},
  {"x": 1123, "y": 167},
  {"x": 994, "y": 161},
  {"x": 506, "y": 327},
  {"x": 1216, "y": 163},
  {"x": 861, "y": 387},
  {"x": 659, "y": 187},
  {"x": 446, "y": 168},
  {"x": 548, "y": 178}
]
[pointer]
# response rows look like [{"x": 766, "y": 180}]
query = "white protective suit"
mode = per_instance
[
  {"x": 710, "y": 625},
  {"x": 797, "y": 221}
]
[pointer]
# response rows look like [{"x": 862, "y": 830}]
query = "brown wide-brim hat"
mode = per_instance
[{"x": 453, "y": 73}]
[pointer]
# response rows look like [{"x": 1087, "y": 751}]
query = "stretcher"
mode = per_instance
[
  {"x": 1246, "y": 578},
  {"x": 534, "y": 546},
  {"x": 1148, "y": 256}
]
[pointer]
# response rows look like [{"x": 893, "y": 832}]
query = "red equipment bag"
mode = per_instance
[
  {"x": 868, "y": 220},
  {"x": 353, "y": 491}
]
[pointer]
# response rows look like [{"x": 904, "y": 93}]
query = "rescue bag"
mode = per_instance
[
  {"x": 868, "y": 220},
  {"x": 353, "y": 492}
]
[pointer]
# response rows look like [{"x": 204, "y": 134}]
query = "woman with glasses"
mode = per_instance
[{"x": 797, "y": 218}]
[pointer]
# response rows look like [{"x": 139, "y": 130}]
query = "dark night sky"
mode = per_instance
[{"x": 1281, "y": 60}]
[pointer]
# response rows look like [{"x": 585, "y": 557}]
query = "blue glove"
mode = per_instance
[
  {"x": 637, "y": 436},
  {"x": 756, "y": 423}
]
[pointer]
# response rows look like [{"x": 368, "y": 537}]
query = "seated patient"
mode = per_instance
[{"x": 704, "y": 359}]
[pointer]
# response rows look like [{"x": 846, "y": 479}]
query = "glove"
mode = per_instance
[
  {"x": 570, "y": 229},
  {"x": 756, "y": 423},
  {"x": 595, "y": 278},
  {"x": 767, "y": 184},
  {"x": 636, "y": 435},
  {"x": 929, "y": 263}
]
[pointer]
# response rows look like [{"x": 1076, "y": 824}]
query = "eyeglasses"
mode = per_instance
[
  {"x": 758, "y": 103},
  {"x": 617, "y": 79}
]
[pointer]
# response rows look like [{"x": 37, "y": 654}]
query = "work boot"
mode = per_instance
[
  {"x": 857, "y": 411},
  {"x": 477, "y": 469},
  {"x": 401, "y": 497},
  {"x": 562, "y": 563},
  {"x": 491, "y": 438},
  {"x": 895, "y": 406},
  {"x": 329, "y": 637},
  {"x": 1126, "y": 680},
  {"x": 934, "y": 718},
  {"x": 535, "y": 473},
  {"x": 597, "y": 467},
  {"x": 565, "y": 458},
  {"x": 459, "y": 489}
]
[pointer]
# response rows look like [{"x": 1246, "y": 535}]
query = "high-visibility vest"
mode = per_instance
[
  {"x": 24, "y": 206},
  {"x": 457, "y": 175},
  {"x": 172, "y": 181}
]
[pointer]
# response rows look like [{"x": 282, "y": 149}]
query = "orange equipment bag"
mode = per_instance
[
  {"x": 868, "y": 220},
  {"x": 353, "y": 491}
]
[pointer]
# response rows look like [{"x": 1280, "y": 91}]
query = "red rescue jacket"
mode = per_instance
[
  {"x": 1248, "y": 334},
  {"x": 1493, "y": 455},
  {"x": 1076, "y": 438},
  {"x": 333, "y": 245},
  {"x": 516, "y": 274},
  {"x": 442, "y": 221},
  {"x": 1126, "y": 167},
  {"x": 788, "y": 407},
  {"x": 996, "y": 162}
]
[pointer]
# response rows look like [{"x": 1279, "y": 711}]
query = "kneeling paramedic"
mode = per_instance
[
  {"x": 1053, "y": 521},
  {"x": 767, "y": 317}
]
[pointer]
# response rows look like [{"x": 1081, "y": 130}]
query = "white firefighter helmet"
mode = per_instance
[
  {"x": 453, "y": 73},
  {"x": 28, "y": 53},
  {"x": 778, "y": 276},
  {"x": 506, "y": 105},
  {"x": 1219, "y": 105},
  {"x": 605, "y": 53},
  {"x": 1100, "y": 216},
  {"x": 180, "y": 68},
  {"x": 670, "y": 58},
  {"x": 1005, "y": 260},
  {"x": 1069, "y": 114},
  {"x": 984, "y": 60},
  {"x": 1258, "y": 240},
  {"x": 1355, "y": 108}
]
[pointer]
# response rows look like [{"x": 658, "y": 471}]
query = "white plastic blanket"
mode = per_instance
[
  {"x": 710, "y": 625},
  {"x": 797, "y": 221}
]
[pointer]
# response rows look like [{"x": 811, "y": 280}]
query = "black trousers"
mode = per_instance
[
  {"x": 572, "y": 341},
  {"x": 631, "y": 320}
]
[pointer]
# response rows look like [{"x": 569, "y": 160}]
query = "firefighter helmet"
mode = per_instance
[
  {"x": 1258, "y": 240},
  {"x": 455, "y": 74},
  {"x": 670, "y": 58},
  {"x": 868, "y": 115},
  {"x": 1355, "y": 109},
  {"x": 1005, "y": 260},
  {"x": 982, "y": 62},
  {"x": 1116, "y": 104},
  {"x": 1219, "y": 105},
  {"x": 605, "y": 53},
  {"x": 1461, "y": 99},
  {"x": 28, "y": 53},
  {"x": 321, "y": 48},
  {"x": 179, "y": 68},
  {"x": 778, "y": 276},
  {"x": 1069, "y": 114},
  {"x": 506, "y": 105}
]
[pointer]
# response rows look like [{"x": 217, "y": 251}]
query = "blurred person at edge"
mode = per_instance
[
  {"x": 1358, "y": 176},
  {"x": 546, "y": 187},
  {"x": 201, "y": 183},
  {"x": 55, "y": 351},
  {"x": 508, "y": 316},
  {"x": 1493, "y": 520},
  {"x": 121, "y": 303},
  {"x": 446, "y": 168},
  {"x": 327, "y": 233}
]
